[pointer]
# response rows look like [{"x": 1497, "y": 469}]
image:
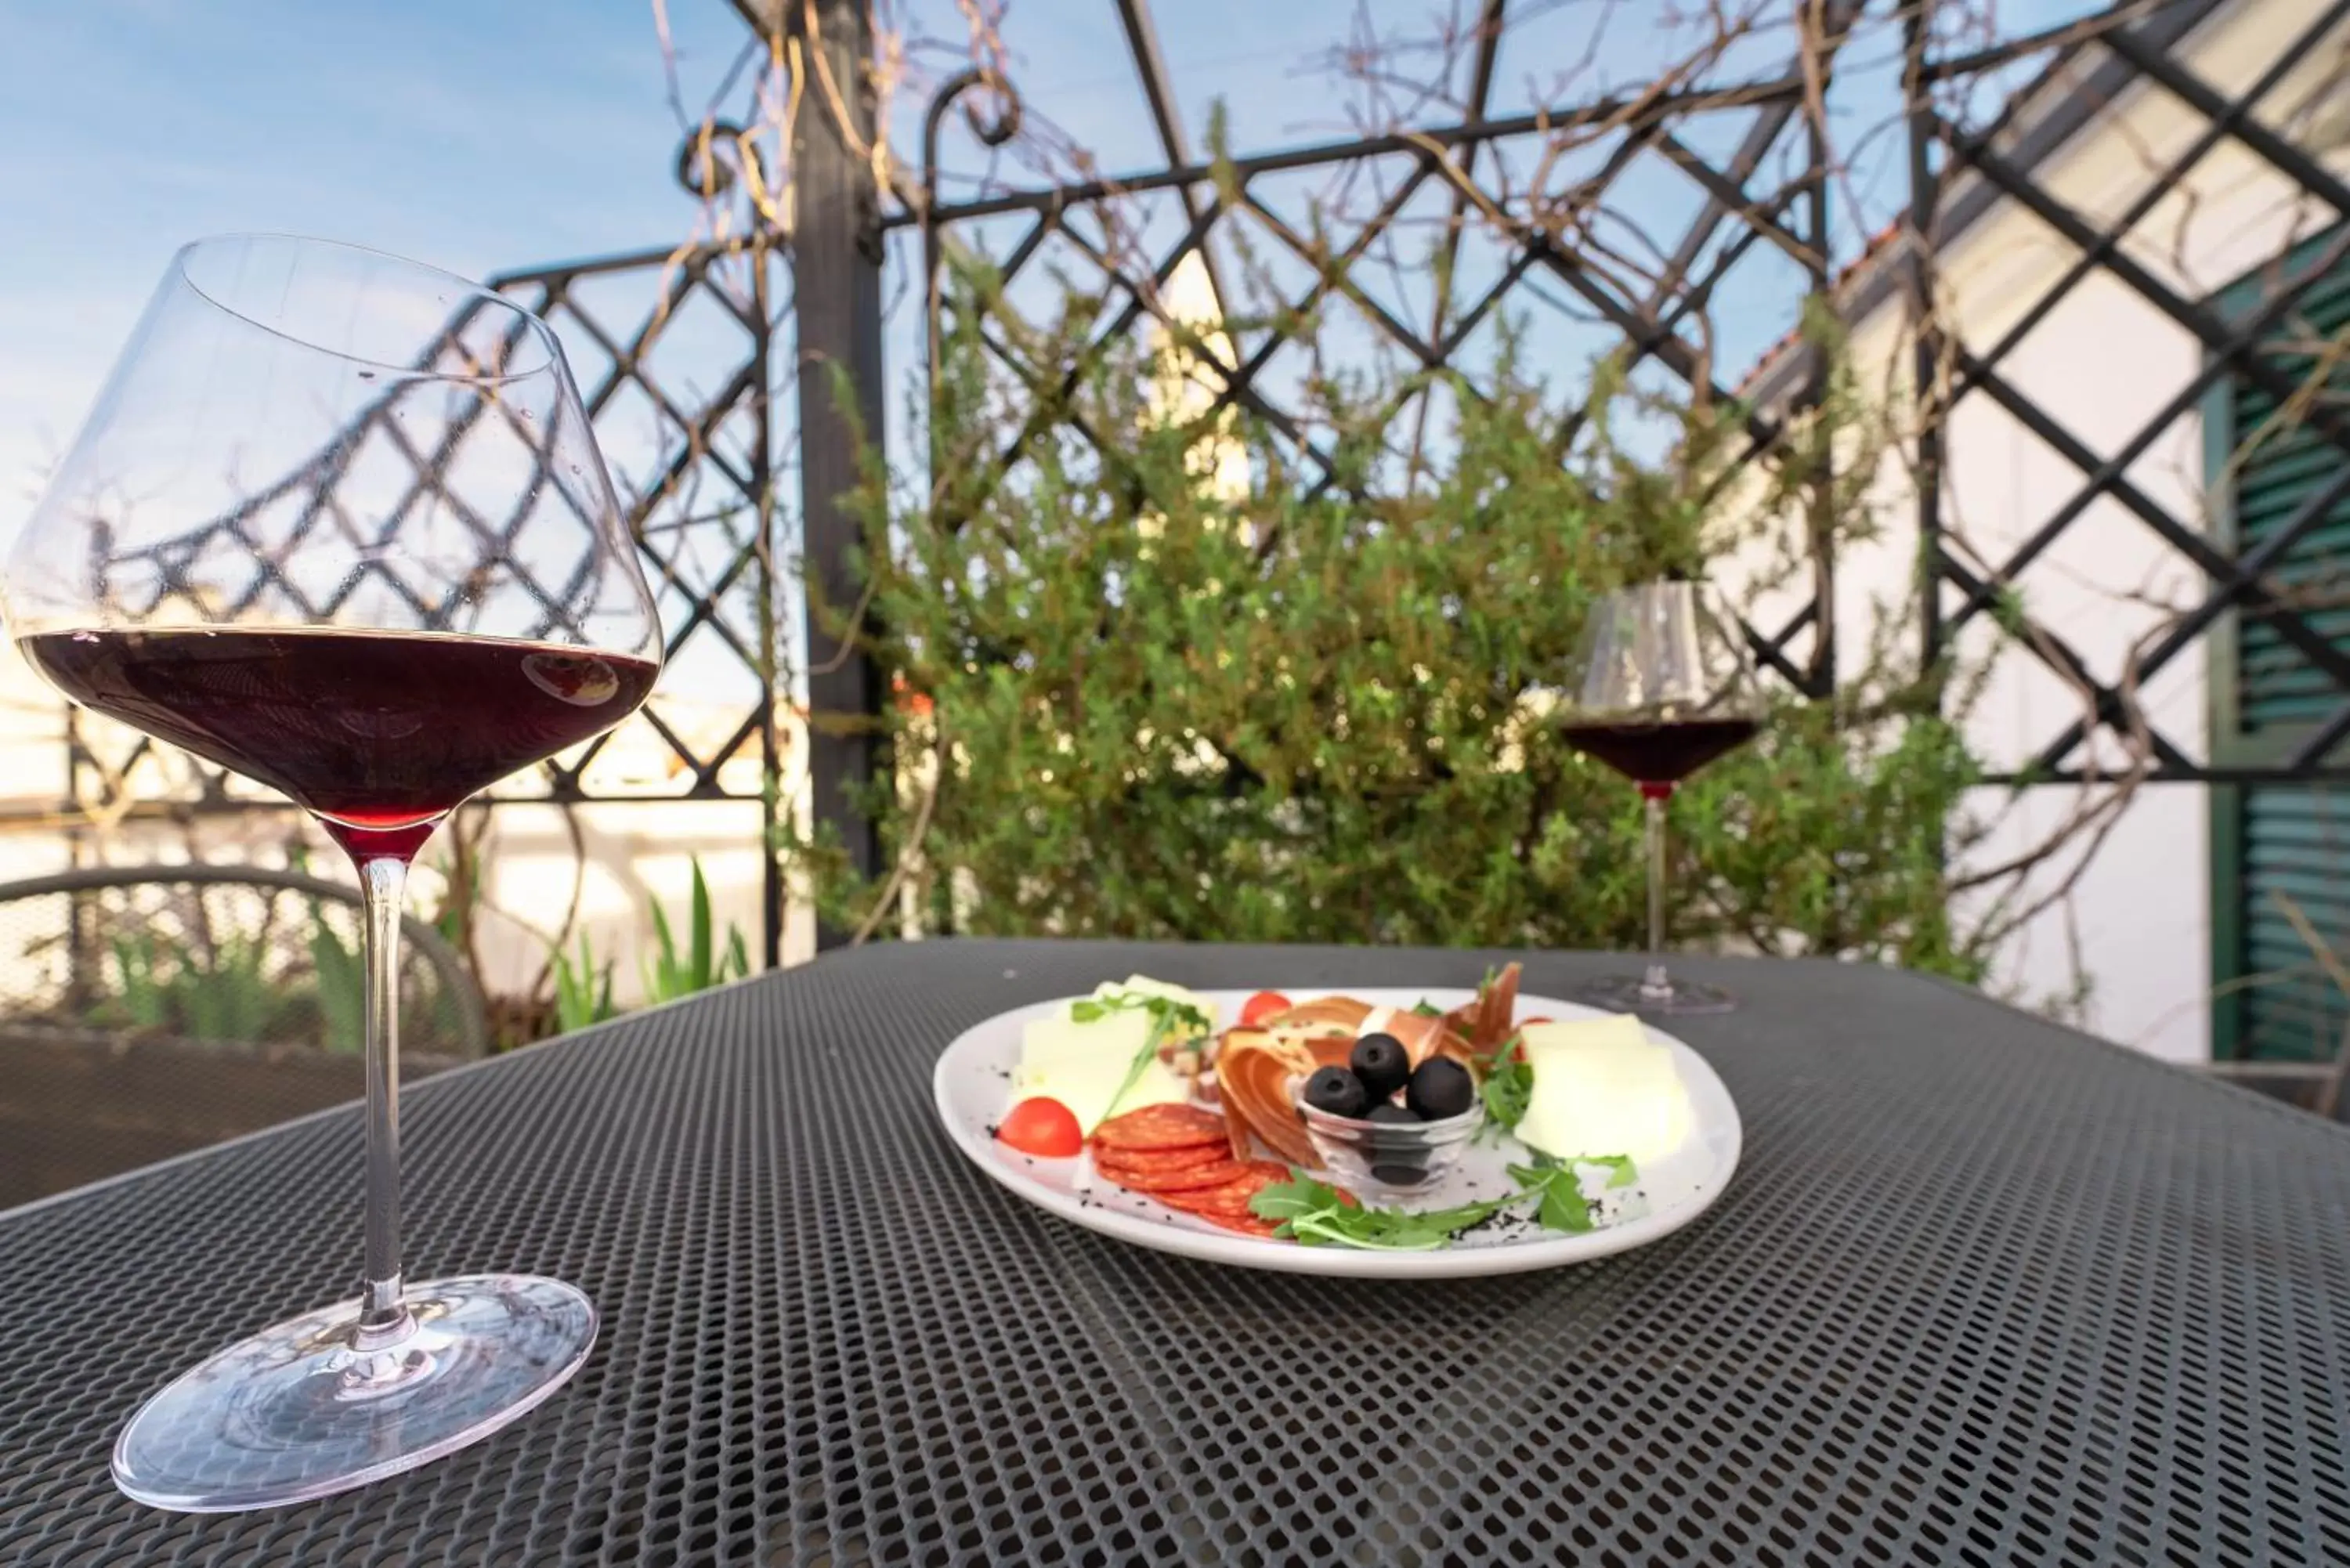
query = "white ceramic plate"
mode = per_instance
[{"x": 972, "y": 1084}]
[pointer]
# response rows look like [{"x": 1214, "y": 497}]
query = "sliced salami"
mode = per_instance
[
  {"x": 1230, "y": 1204},
  {"x": 1192, "y": 1179},
  {"x": 1160, "y": 1127},
  {"x": 1149, "y": 1159},
  {"x": 1232, "y": 1197}
]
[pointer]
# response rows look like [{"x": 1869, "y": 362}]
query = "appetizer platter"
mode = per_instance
[{"x": 1369, "y": 1133}]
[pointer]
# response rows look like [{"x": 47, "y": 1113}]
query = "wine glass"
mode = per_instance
[
  {"x": 338, "y": 521},
  {"x": 1662, "y": 686}
]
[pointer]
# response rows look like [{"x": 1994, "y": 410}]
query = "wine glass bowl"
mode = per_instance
[
  {"x": 1662, "y": 686},
  {"x": 338, "y": 521},
  {"x": 307, "y": 434}
]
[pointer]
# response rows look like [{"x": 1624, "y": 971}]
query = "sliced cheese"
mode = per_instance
[
  {"x": 1081, "y": 1066},
  {"x": 1602, "y": 1087}
]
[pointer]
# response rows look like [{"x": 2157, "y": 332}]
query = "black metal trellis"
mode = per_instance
[
  {"x": 673, "y": 516},
  {"x": 1956, "y": 172},
  {"x": 2242, "y": 349},
  {"x": 1447, "y": 154}
]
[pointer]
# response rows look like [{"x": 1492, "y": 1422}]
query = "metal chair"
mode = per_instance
[{"x": 149, "y": 1010}]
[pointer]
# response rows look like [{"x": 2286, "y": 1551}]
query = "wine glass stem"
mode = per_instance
[
  {"x": 383, "y": 1315},
  {"x": 1655, "y": 982}
]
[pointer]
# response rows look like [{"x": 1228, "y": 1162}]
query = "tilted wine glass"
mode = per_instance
[
  {"x": 1662, "y": 685},
  {"x": 338, "y": 521}
]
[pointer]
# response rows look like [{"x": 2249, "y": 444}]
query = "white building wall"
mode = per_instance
[{"x": 2103, "y": 365}]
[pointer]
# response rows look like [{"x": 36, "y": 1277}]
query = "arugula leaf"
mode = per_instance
[
  {"x": 1301, "y": 1195},
  {"x": 1134, "y": 1071},
  {"x": 1450, "y": 1221},
  {"x": 1426, "y": 1009},
  {"x": 1506, "y": 1083},
  {"x": 1560, "y": 1184},
  {"x": 1509, "y": 1088},
  {"x": 1165, "y": 1011},
  {"x": 1139, "y": 1065},
  {"x": 1620, "y": 1170},
  {"x": 1563, "y": 1206},
  {"x": 1313, "y": 1212}
]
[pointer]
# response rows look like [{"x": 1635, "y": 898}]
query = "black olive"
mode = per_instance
[
  {"x": 1443, "y": 1088},
  {"x": 1338, "y": 1092},
  {"x": 1380, "y": 1061},
  {"x": 1396, "y": 1167}
]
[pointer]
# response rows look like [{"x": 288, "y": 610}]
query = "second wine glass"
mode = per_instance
[{"x": 1662, "y": 685}]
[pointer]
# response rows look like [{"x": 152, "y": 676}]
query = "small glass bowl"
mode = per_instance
[{"x": 1398, "y": 1156}]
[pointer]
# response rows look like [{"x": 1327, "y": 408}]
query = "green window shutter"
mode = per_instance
[
  {"x": 2276, "y": 687},
  {"x": 2275, "y": 844},
  {"x": 2296, "y": 847}
]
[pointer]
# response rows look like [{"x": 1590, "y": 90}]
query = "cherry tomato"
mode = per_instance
[
  {"x": 1042, "y": 1126},
  {"x": 1262, "y": 1006}
]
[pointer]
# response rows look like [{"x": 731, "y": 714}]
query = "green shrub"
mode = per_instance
[{"x": 1309, "y": 712}]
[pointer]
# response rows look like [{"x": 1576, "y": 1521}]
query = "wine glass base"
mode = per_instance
[
  {"x": 296, "y": 1413},
  {"x": 1677, "y": 998}
]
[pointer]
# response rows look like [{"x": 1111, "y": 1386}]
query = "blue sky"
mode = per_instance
[
  {"x": 488, "y": 134},
  {"x": 471, "y": 135}
]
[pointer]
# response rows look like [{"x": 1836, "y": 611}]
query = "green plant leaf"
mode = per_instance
[
  {"x": 700, "y": 975},
  {"x": 339, "y": 973},
  {"x": 582, "y": 990},
  {"x": 663, "y": 980},
  {"x": 669, "y": 973}
]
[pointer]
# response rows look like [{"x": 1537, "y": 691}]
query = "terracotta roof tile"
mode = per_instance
[{"x": 1879, "y": 243}]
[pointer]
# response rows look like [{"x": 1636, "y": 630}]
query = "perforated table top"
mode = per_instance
[{"x": 1984, "y": 1292}]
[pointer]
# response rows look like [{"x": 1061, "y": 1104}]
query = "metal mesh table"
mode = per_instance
[{"x": 1984, "y": 1292}]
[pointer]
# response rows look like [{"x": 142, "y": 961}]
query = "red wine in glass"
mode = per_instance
[
  {"x": 1661, "y": 753},
  {"x": 379, "y": 733},
  {"x": 1662, "y": 686}
]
